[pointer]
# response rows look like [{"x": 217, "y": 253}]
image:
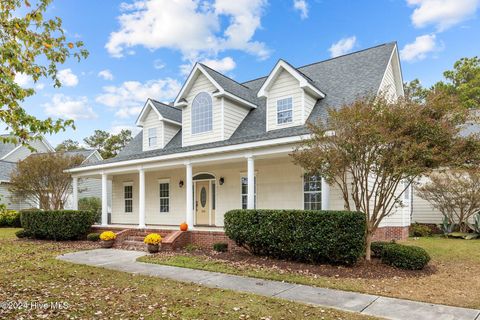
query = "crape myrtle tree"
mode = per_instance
[
  {"x": 40, "y": 179},
  {"x": 373, "y": 148},
  {"x": 31, "y": 46},
  {"x": 455, "y": 193}
]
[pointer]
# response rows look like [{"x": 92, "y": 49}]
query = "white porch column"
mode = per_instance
[
  {"x": 104, "y": 200},
  {"x": 75, "y": 193},
  {"x": 250, "y": 183},
  {"x": 189, "y": 194},
  {"x": 141, "y": 198},
  {"x": 325, "y": 195}
]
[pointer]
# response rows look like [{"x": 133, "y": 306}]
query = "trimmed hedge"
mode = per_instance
[
  {"x": 336, "y": 237},
  {"x": 94, "y": 236},
  {"x": 401, "y": 256},
  {"x": 10, "y": 218},
  {"x": 57, "y": 225}
]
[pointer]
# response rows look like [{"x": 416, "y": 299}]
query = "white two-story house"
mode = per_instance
[{"x": 224, "y": 145}]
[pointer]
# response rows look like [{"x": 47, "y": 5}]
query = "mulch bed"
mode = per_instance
[{"x": 362, "y": 270}]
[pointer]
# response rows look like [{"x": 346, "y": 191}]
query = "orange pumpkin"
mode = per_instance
[{"x": 183, "y": 226}]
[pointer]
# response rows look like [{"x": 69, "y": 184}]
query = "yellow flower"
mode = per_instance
[
  {"x": 107, "y": 235},
  {"x": 153, "y": 238}
]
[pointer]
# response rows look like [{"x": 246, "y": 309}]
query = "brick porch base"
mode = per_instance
[{"x": 174, "y": 239}]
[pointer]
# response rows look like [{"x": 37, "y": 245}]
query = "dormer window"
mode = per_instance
[
  {"x": 152, "y": 137},
  {"x": 284, "y": 111},
  {"x": 202, "y": 113}
]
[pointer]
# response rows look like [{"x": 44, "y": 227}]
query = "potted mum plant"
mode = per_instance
[
  {"x": 107, "y": 238},
  {"x": 153, "y": 241}
]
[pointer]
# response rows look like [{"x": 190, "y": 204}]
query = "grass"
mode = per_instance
[
  {"x": 29, "y": 272},
  {"x": 456, "y": 281}
]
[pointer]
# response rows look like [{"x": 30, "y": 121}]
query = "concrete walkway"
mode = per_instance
[{"x": 389, "y": 308}]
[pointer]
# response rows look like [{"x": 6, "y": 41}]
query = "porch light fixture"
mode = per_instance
[
  {"x": 180, "y": 184},
  {"x": 221, "y": 181}
]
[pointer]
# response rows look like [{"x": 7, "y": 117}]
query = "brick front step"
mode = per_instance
[{"x": 133, "y": 245}]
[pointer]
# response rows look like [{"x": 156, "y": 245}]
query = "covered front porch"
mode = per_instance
[{"x": 200, "y": 190}]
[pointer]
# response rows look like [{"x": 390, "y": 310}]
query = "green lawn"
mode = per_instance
[
  {"x": 455, "y": 282},
  {"x": 29, "y": 272}
]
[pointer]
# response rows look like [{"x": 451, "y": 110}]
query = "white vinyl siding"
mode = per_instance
[
  {"x": 285, "y": 86},
  {"x": 233, "y": 116},
  {"x": 309, "y": 104},
  {"x": 150, "y": 124},
  {"x": 390, "y": 85},
  {"x": 201, "y": 84},
  {"x": 169, "y": 131}
]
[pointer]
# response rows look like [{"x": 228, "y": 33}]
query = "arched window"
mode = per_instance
[{"x": 202, "y": 113}]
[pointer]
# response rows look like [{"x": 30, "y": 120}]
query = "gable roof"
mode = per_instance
[
  {"x": 164, "y": 112},
  {"x": 6, "y": 149},
  {"x": 305, "y": 82},
  {"x": 343, "y": 79}
]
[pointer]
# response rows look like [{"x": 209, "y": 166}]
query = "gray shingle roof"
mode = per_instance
[
  {"x": 5, "y": 148},
  {"x": 168, "y": 112},
  {"x": 231, "y": 86},
  {"x": 343, "y": 79},
  {"x": 6, "y": 169}
]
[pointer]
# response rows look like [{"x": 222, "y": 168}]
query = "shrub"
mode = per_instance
[
  {"x": 10, "y": 218},
  {"x": 420, "y": 230},
  {"x": 220, "y": 247},
  {"x": 336, "y": 237},
  {"x": 377, "y": 248},
  {"x": 57, "y": 224},
  {"x": 93, "y": 236},
  {"x": 107, "y": 236},
  {"x": 22, "y": 234},
  {"x": 405, "y": 257},
  {"x": 91, "y": 204}
]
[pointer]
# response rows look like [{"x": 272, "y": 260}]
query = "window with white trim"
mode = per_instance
[
  {"x": 152, "y": 137},
  {"x": 312, "y": 192},
  {"x": 244, "y": 181},
  {"x": 284, "y": 110},
  {"x": 128, "y": 197},
  {"x": 164, "y": 187},
  {"x": 202, "y": 113}
]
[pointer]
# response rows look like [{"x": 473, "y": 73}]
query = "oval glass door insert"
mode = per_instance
[{"x": 203, "y": 197}]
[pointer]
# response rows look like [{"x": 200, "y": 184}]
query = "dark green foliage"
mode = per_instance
[
  {"x": 220, "y": 247},
  {"x": 10, "y": 218},
  {"x": 22, "y": 234},
  {"x": 93, "y": 236},
  {"x": 405, "y": 257},
  {"x": 93, "y": 204},
  {"x": 336, "y": 237},
  {"x": 420, "y": 230},
  {"x": 377, "y": 248},
  {"x": 57, "y": 225}
]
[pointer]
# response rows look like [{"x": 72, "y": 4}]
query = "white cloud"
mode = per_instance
[
  {"x": 418, "y": 49},
  {"x": 302, "y": 7},
  {"x": 158, "y": 64},
  {"x": 192, "y": 27},
  {"x": 343, "y": 46},
  {"x": 105, "y": 74},
  {"x": 129, "y": 98},
  {"x": 67, "y": 77},
  {"x": 221, "y": 65},
  {"x": 442, "y": 13},
  {"x": 23, "y": 80},
  {"x": 63, "y": 106},
  {"x": 116, "y": 129}
]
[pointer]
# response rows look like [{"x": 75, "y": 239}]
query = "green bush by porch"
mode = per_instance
[
  {"x": 57, "y": 224},
  {"x": 336, "y": 237}
]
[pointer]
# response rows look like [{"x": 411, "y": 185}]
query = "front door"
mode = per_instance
[{"x": 202, "y": 202}]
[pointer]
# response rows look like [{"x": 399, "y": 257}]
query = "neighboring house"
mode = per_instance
[
  {"x": 422, "y": 210},
  {"x": 10, "y": 154},
  {"x": 88, "y": 187},
  {"x": 225, "y": 145}
]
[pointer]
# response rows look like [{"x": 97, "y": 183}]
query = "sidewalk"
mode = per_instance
[{"x": 389, "y": 308}]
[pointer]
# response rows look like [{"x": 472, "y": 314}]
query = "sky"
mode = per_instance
[{"x": 146, "y": 48}]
